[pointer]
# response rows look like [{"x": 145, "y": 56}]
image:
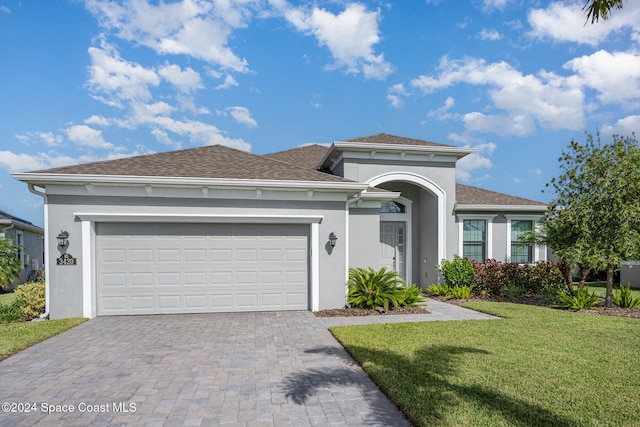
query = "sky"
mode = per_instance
[{"x": 516, "y": 80}]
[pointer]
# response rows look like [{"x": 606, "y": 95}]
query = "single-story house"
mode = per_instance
[
  {"x": 213, "y": 229},
  {"x": 30, "y": 240}
]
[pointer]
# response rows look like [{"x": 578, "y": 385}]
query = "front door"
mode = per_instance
[{"x": 392, "y": 246}]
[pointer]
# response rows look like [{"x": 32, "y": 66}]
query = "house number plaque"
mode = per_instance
[{"x": 67, "y": 259}]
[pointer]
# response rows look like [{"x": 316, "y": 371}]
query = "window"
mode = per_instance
[
  {"x": 520, "y": 253},
  {"x": 392, "y": 207},
  {"x": 474, "y": 239}
]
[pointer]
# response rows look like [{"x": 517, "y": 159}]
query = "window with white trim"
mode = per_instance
[
  {"x": 520, "y": 253},
  {"x": 474, "y": 239}
]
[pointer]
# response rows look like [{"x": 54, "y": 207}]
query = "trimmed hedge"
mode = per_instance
[{"x": 491, "y": 276}]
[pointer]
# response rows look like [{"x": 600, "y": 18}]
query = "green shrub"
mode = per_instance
[
  {"x": 411, "y": 296},
  {"x": 458, "y": 272},
  {"x": 582, "y": 300},
  {"x": 439, "y": 290},
  {"x": 370, "y": 289},
  {"x": 512, "y": 291},
  {"x": 9, "y": 261},
  {"x": 31, "y": 297},
  {"x": 546, "y": 277},
  {"x": 624, "y": 298},
  {"x": 460, "y": 292},
  {"x": 10, "y": 313}
]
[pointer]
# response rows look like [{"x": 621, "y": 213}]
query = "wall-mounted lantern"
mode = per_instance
[
  {"x": 63, "y": 239},
  {"x": 332, "y": 239}
]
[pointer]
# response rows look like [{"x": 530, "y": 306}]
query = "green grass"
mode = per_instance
[
  {"x": 18, "y": 336},
  {"x": 535, "y": 367},
  {"x": 600, "y": 288},
  {"x": 8, "y": 298}
]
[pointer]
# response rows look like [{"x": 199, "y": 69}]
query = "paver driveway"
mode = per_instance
[{"x": 248, "y": 369}]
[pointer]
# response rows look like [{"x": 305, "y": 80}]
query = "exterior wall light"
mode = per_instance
[
  {"x": 332, "y": 239},
  {"x": 63, "y": 239}
]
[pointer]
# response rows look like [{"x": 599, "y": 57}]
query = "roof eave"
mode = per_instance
[
  {"x": 500, "y": 208},
  {"x": 458, "y": 152},
  {"x": 42, "y": 179},
  {"x": 7, "y": 223}
]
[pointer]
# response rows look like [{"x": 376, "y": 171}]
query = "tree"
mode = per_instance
[
  {"x": 9, "y": 261},
  {"x": 597, "y": 9},
  {"x": 597, "y": 204}
]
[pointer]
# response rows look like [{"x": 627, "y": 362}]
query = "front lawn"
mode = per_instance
[
  {"x": 535, "y": 367},
  {"x": 18, "y": 336}
]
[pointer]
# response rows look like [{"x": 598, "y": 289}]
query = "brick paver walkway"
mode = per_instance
[{"x": 236, "y": 369}]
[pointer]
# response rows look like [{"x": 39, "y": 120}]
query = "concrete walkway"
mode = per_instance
[
  {"x": 437, "y": 311},
  {"x": 233, "y": 369}
]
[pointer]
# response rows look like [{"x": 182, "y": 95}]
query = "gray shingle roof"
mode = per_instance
[
  {"x": 383, "y": 138},
  {"x": 298, "y": 164},
  {"x": 466, "y": 195},
  {"x": 7, "y": 216},
  {"x": 307, "y": 157},
  {"x": 215, "y": 161}
]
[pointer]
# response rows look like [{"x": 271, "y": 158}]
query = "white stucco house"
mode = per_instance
[{"x": 216, "y": 229}]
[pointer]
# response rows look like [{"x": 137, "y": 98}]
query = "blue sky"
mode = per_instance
[{"x": 516, "y": 80}]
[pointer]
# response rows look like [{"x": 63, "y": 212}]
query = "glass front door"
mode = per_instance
[{"x": 392, "y": 246}]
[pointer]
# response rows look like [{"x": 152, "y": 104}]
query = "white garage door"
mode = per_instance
[{"x": 195, "y": 268}]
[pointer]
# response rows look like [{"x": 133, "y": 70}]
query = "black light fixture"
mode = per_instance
[
  {"x": 332, "y": 239},
  {"x": 63, "y": 239}
]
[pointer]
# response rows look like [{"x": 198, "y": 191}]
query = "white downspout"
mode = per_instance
[{"x": 46, "y": 248}]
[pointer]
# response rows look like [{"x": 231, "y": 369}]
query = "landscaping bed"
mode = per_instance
[
  {"x": 601, "y": 309},
  {"x": 350, "y": 312}
]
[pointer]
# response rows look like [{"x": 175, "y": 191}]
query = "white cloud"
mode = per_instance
[
  {"x": 545, "y": 99},
  {"x": 565, "y": 22},
  {"x": 349, "y": 35},
  {"x": 198, "y": 29},
  {"x": 479, "y": 159},
  {"x": 537, "y": 172},
  {"x": 242, "y": 115},
  {"x": 85, "y": 136},
  {"x": 5, "y": 9},
  {"x": 186, "y": 81},
  {"x": 443, "y": 113},
  {"x": 616, "y": 76},
  {"x": 623, "y": 127},
  {"x": 119, "y": 78},
  {"x": 97, "y": 121},
  {"x": 49, "y": 138},
  {"x": 156, "y": 116},
  {"x": 13, "y": 162},
  {"x": 395, "y": 95},
  {"x": 494, "y": 4},
  {"x": 490, "y": 35},
  {"x": 229, "y": 81}
]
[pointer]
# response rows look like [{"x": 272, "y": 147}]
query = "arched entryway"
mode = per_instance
[{"x": 415, "y": 234}]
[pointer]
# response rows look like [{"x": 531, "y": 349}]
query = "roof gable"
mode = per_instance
[{"x": 384, "y": 138}]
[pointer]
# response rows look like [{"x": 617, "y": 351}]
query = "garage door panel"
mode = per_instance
[{"x": 169, "y": 268}]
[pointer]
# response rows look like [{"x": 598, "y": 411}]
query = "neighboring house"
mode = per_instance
[
  {"x": 30, "y": 239},
  {"x": 216, "y": 229}
]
